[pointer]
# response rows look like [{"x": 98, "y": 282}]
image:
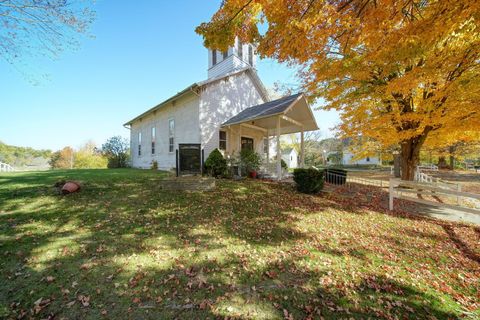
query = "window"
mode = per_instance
[
  {"x": 171, "y": 135},
  {"x": 214, "y": 57},
  {"x": 139, "y": 144},
  {"x": 240, "y": 49},
  {"x": 247, "y": 143},
  {"x": 153, "y": 139},
  {"x": 222, "y": 140},
  {"x": 250, "y": 55},
  {"x": 225, "y": 54},
  {"x": 265, "y": 145},
  {"x": 368, "y": 159}
]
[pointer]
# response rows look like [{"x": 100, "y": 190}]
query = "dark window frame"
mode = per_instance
[
  {"x": 139, "y": 144},
  {"x": 214, "y": 57},
  {"x": 240, "y": 50},
  {"x": 154, "y": 136},
  {"x": 222, "y": 142},
  {"x": 251, "y": 142},
  {"x": 250, "y": 55},
  {"x": 171, "y": 135}
]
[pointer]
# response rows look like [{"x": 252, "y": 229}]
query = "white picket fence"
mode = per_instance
[
  {"x": 423, "y": 167},
  {"x": 5, "y": 167},
  {"x": 410, "y": 190},
  {"x": 430, "y": 167},
  {"x": 423, "y": 177}
]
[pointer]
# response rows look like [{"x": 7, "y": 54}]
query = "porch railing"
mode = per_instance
[{"x": 335, "y": 179}]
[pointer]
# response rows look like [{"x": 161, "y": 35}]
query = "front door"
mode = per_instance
[
  {"x": 247, "y": 143},
  {"x": 190, "y": 158}
]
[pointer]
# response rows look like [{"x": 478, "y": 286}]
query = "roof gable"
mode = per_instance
[
  {"x": 198, "y": 85},
  {"x": 263, "y": 110}
]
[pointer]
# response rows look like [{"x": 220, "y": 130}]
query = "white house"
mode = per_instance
[
  {"x": 348, "y": 159},
  {"x": 290, "y": 156},
  {"x": 230, "y": 111}
]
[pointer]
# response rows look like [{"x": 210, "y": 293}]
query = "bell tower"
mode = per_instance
[{"x": 240, "y": 56}]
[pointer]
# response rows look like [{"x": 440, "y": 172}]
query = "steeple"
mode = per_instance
[{"x": 239, "y": 56}]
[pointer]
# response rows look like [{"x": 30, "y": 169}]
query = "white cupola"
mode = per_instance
[{"x": 240, "y": 56}]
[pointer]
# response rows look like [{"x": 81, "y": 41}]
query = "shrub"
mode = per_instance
[
  {"x": 216, "y": 165},
  {"x": 116, "y": 149},
  {"x": 250, "y": 160},
  {"x": 154, "y": 165},
  {"x": 284, "y": 165},
  {"x": 308, "y": 180}
]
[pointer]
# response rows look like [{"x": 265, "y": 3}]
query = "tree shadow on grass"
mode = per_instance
[{"x": 138, "y": 252}]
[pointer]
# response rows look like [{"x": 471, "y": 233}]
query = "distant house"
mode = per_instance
[
  {"x": 231, "y": 111},
  {"x": 349, "y": 158},
  {"x": 290, "y": 156}
]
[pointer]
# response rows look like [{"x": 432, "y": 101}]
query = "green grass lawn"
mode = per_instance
[{"x": 124, "y": 249}]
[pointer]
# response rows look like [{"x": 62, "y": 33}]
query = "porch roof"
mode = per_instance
[{"x": 294, "y": 112}]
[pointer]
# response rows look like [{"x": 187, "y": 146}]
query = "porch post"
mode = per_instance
[
  {"x": 302, "y": 150},
  {"x": 239, "y": 138},
  {"x": 268, "y": 150},
  {"x": 279, "y": 155},
  {"x": 239, "y": 148}
]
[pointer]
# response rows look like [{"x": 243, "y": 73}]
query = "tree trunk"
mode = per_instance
[
  {"x": 410, "y": 152},
  {"x": 397, "y": 163},
  {"x": 442, "y": 163},
  {"x": 451, "y": 150}
]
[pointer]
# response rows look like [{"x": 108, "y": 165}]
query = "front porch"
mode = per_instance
[{"x": 260, "y": 127}]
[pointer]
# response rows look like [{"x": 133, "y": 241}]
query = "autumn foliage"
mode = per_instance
[{"x": 398, "y": 71}]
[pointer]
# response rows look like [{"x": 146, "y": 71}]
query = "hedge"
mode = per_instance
[{"x": 308, "y": 180}]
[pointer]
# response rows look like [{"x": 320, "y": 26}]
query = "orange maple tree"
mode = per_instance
[{"x": 395, "y": 70}]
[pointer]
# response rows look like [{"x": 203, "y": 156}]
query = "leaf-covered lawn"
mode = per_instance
[{"x": 124, "y": 249}]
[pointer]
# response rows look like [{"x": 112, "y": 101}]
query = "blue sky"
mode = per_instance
[{"x": 142, "y": 53}]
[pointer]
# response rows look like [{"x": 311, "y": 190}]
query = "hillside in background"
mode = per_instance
[{"x": 24, "y": 157}]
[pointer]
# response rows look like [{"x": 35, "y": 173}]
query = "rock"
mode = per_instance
[{"x": 70, "y": 187}]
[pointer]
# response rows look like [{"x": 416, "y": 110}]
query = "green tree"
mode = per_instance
[
  {"x": 116, "y": 149},
  {"x": 216, "y": 164},
  {"x": 88, "y": 156},
  {"x": 21, "y": 156},
  {"x": 62, "y": 159}
]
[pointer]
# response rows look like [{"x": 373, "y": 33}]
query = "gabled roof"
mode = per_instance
[
  {"x": 192, "y": 89},
  {"x": 263, "y": 110},
  {"x": 189, "y": 89},
  {"x": 287, "y": 151}
]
